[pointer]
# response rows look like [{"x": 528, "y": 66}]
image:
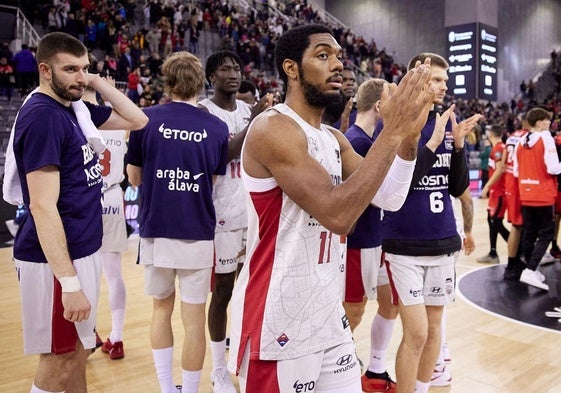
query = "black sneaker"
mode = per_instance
[{"x": 512, "y": 273}]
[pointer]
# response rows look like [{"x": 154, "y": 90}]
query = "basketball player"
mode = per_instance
[
  {"x": 223, "y": 71},
  {"x": 308, "y": 187},
  {"x": 56, "y": 247},
  {"x": 495, "y": 190},
  {"x": 366, "y": 276},
  {"x": 114, "y": 241},
  {"x": 514, "y": 266},
  {"x": 420, "y": 253},
  {"x": 176, "y": 158}
]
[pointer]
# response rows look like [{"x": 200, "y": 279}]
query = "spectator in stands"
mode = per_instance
[
  {"x": 133, "y": 83},
  {"x": 523, "y": 89},
  {"x": 154, "y": 63},
  {"x": 125, "y": 65},
  {"x": 5, "y": 51},
  {"x": 91, "y": 34},
  {"x": 484, "y": 165},
  {"x": 153, "y": 38},
  {"x": 193, "y": 39},
  {"x": 7, "y": 78},
  {"x": 531, "y": 90},
  {"x": 26, "y": 69}
]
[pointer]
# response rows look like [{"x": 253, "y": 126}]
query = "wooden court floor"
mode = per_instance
[{"x": 490, "y": 354}]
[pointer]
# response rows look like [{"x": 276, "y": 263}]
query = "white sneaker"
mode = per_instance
[
  {"x": 547, "y": 258},
  {"x": 534, "y": 278},
  {"x": 221, "y": 382},
  {"x": 441, "y": 377}
]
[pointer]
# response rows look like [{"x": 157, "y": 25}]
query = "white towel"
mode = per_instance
[{"x": 11, "y": 189}]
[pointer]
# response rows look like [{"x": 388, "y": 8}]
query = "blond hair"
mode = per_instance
[
  {"x": 183, "y": 74},
  {"x": 369, "y": 92}
]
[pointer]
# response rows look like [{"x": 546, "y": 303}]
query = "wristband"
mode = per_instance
[{"x": 70, "y": 284}]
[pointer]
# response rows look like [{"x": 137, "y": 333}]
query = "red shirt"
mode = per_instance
[{"x": 497, "y": 152}]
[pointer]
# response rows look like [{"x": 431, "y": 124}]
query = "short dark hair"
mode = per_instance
[
  {"x": 217, "y": 59},
  {"x": 536, "y": 114},
  {"x": 292, "y": 45},
  {"x": 58, "y": 42},
  {"x": 435, "y": 60},
  {"x": 496, "y": 130},
  {"x": 247, "y": 86}
]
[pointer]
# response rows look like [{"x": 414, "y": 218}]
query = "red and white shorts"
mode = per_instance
[
  {"x": 364, "y": 273},
  {"x": 422, "y": 280},
  {"x": 334, "y": 370},
  {"x": 44, "y": 328}
]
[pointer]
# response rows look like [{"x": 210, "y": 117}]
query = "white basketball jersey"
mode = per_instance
[
  {"x": 287, "y": 301},
  {"x": 228, "y": 194},
  {"x": 112, "y": 159}
]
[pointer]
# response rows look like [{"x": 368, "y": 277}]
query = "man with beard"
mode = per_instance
[
  {"x": 223, "y": 72},
  {"x": 307, "y": 188},
  {"x": 420, "y": 253},
  {"x": 56, "y": 247}
]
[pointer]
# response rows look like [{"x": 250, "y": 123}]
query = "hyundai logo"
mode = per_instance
[{"x": 344, "y": 360}]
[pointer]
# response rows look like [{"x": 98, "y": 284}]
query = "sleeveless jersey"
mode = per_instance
[
  {"x": 511, "y": 182},
  {"x": 287, "y": 302},
  {"x": 112, "y": 159},
  {"x": 229, "y": 194},
  {"x": 497, "y": 189}
]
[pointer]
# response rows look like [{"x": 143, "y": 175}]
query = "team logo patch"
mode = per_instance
[
  {"x": 282, "y": 340},
  {"x": 345, "y": 321}
]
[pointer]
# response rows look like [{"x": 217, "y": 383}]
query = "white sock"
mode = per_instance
[
  {"x": 111, "y": 266},
  {"x": 191, "y": 381},
  {"x": 380, "y": 336},
  {"x": 35, "y": 389},
  {"x": 422, "y": 387},
  {"x": 218, "y": 351},
  {"x": 440, "y": 358},
  {"x": 117, "y": 324},
  {"x": 163, "y": 361}
]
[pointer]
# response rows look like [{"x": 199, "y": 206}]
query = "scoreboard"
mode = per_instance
[{"x": 471, "y": 52}]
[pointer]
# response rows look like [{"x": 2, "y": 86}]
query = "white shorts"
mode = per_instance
[
  {"x": 383, "y": 278},
  {"x": 44, "y": 328},
  {"x": 328, "y": 370},
  {"x": 228, "y": 247},
  {"x": 176, "y": 253},
  {"x": 422, "y": 280},
  {"x": 114, "y": 227},
  {"x": 194, "y": 284}
]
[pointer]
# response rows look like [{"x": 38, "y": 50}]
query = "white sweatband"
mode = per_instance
[
  {"x": 395, "y": 187},
  {"x": 70, "y": 284}
]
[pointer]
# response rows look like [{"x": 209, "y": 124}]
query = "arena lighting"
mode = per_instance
[{"x": 471, "y": 51}]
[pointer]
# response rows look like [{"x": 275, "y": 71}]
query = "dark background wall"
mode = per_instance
[{"x": 528, "y": 30}]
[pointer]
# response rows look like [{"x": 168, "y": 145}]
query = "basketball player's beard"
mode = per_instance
[
  {"x": 317, "y": 98},
  {"x": 63, "y": 92}
]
